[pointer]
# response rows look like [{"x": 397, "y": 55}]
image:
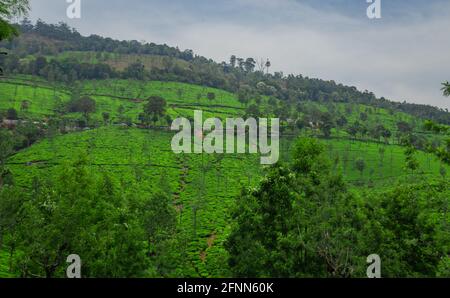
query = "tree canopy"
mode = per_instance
[
  {"x": 303, "y": 221},
  {"x": 9, "y": 9}
]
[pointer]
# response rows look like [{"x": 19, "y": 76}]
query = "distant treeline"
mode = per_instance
[{"x": 247, "y": 77}]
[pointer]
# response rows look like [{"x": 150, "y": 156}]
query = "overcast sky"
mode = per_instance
[{"x": 405, "y": 55}]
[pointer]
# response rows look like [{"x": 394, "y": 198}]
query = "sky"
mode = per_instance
[{"x": 404, "y": 56}]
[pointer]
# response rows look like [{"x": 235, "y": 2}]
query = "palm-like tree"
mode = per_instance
[{"x": 446, "y": 88}]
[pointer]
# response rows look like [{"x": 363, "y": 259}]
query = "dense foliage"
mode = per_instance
[
  {"x": 9, "y": 9},
  {"x": 116, "y": 232},
  {"x": 302, "y": 221}
]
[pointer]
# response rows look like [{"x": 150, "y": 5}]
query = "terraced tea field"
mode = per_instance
[
  {"x": 109, "y": 95},
  {"x": 203, "y": 186}
]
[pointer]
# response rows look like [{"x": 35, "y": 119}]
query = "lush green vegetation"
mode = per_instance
[
  {"x": 202, "y": 188},
  {"x": 86, "y": 167},
  {"x": 42, "y": 48},
  {"x": 193, "y": 182},
  {"x": 122, "y": 99},
  {"x": 302, "y": 221}
]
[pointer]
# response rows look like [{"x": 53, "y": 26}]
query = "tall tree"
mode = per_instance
[
  {"x": 79, "y": 212},
  {"x": 250, "y": 64},
  {"x": 233, "y": 61},
  {"x": 155, "y": 108},
  {"x": 297, "y": 222},
  {"x": 8, "y": 10},
  {"x": 360, "y": 165},
  {"x": 211, "y": 96},
  {"x": 446, "y": 88},
  {"x": 268, "y": 65},
  {"x": 326, "y": 124}
]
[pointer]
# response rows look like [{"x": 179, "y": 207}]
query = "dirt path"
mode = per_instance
[{"x": 210, "y": 243}]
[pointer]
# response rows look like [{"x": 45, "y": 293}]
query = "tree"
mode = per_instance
[
  {"x": 11, "y": 114},
  {"x": 297, "y": 222},
  {"x": 39, "y": 64},
  {"x": 233, "y": 61},
  {"x": 363, "y": 117},
  {"x": 243, "y": 97},
  {"x": 404, "y": 127},
  {"x": 446, "y": 88},
  {"x": 342, "y": 121},
  {"x": 268, "y": 65},
  {"x": 272, "y": 102},
  {"x": 353, "y": 129},
  {"x": 154, "y": 108},
  {"x": 386, "y": 134},
  {"x": 211, "y": 96},
  {"x": 78, "y": 212},
  {"x": 360, "y": 165},
  {"x": 442, "y": 152},
  {"x": 11, "y": 202},
  {"x": 375, "y": 132},
  {"x": 250, "y": 64},
  {"x": 106, "y": 117},
  {"x": 442, "y": 171},
  {"x": 6, "y": 149},
  {"x": 135, "y": 71},
  {"x": 408, "y": 226},
  {"x": 30, "y": 133},
  {"x": 410, "y": 159},
  {"x": 379, "y": 131},
  {"x": 326, "y": 124},
  {"x": 282, "y": 111},
  {"x": 252, "y": 111},
  {"x": 24, "y": 105},
  {"x": 121, "y": 111},
  {"x": 240, "y": 63},
  {"x": 8, "y": 10},
  {"x": 79, "y": 104},
  {"x": 86, "y": 105},
  {"x": 6, "y": 145},
  {"x": 159, "y": 220}
]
